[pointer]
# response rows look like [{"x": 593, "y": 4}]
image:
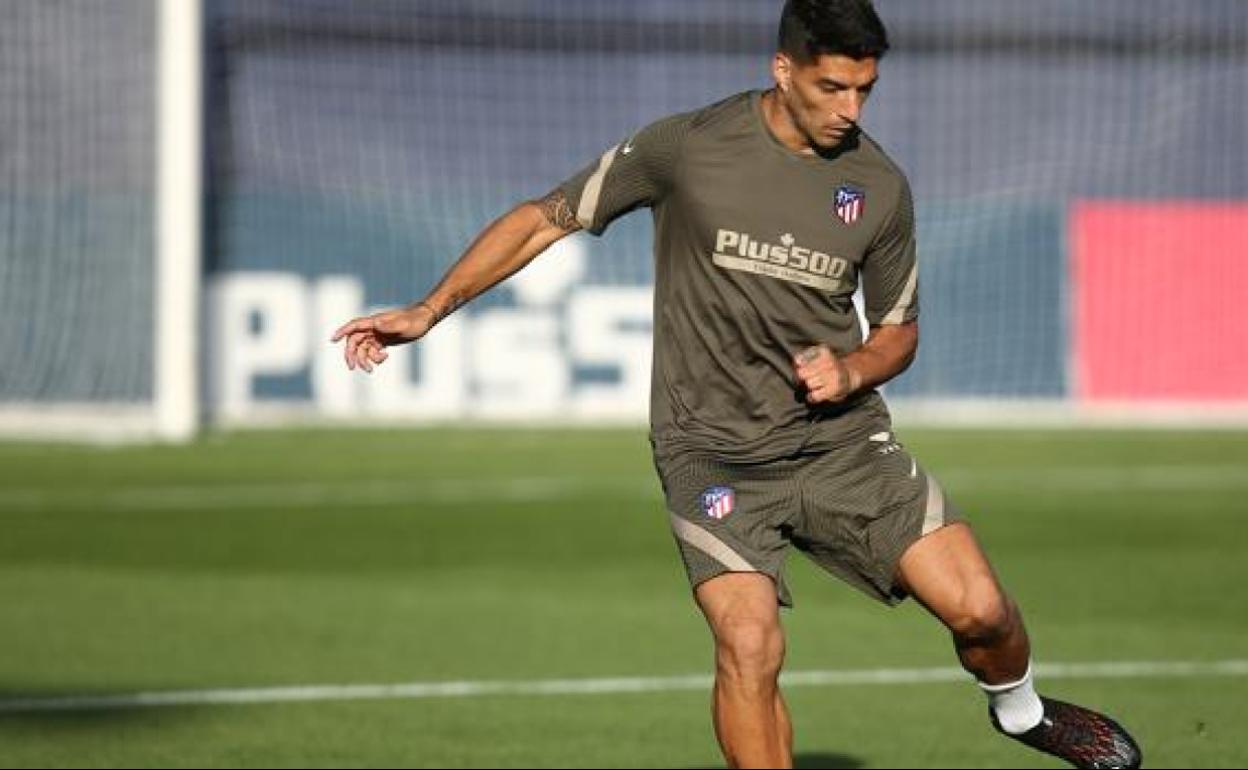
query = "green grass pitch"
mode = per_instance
[{"x": 251, "y": 560}]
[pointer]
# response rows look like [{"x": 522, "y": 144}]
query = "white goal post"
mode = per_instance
[{"x": 179, "y": 220}]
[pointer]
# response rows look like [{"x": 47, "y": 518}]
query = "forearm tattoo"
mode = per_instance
[
  {"x": 446, "y": 309},
  {"x": 555, "y": 208}
]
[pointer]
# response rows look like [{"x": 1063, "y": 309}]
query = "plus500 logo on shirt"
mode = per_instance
[{"x": 784, "y": 260}]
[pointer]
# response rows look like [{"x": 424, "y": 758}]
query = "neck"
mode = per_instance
[{"x": 781, "y": 125}]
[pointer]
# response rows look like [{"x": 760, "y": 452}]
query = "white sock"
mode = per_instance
[{"x": 1016, "y": 704}]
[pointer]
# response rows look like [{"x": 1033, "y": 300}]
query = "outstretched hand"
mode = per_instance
[
  {"x": 824, "y": 375},
  {"x": 368, "y": 337}
]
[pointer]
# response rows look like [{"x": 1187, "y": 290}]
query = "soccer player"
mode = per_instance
[{"x": 770, "y": 209}]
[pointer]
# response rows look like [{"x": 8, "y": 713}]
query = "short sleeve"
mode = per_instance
[
  {"x": 890, "y": 273},
  {"x": 636, "y": 172}
]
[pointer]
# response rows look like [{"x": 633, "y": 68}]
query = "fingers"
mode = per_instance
[
  {"x": 363, "y": 347},
  {"x": 822, "y": 374},
  {"x": 371, "y": 353},
  {"x": 816, "y": 359},
  {"x": 809, "y": 355},
  {"x": 346, "y": 355},
  {"x": 362, "y": 350},
  {"x": 356, "y": 325},
  {"x": 366, "y": 338},
  {"x": 351, "y": 349},
  {"x": 817, "y": 390},
  {"x": 813, "y": 361},
  {"x": 356, "y": 332},
  {"x": 824, "y": 394}
]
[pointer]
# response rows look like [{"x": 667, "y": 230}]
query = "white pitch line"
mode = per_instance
[{"x": 469, "y": 689}]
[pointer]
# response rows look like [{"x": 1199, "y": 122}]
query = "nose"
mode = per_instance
[{"x": 849, "y": 107}]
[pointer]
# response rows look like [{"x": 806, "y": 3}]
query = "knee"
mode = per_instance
[
  {"x": 985, "y": 615},
  {"x": 749, "y": 652}
]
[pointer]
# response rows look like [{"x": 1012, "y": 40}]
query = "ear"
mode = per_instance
[{"x": 782, "y": 71}]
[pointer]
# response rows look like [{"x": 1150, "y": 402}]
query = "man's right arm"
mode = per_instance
[
  {"x": 508, "y": 244},
  {"x": 636, "y": 172},
  {"x": 504, "y": 247}
]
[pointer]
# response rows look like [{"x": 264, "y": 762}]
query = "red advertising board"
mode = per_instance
[{"x": 1160, "y": 301}]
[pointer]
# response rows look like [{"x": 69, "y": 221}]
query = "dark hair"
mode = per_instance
[{"x": 812, "y": 28}]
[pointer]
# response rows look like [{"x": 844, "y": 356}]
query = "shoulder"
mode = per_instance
[
  {"x": 727, "y": 111},
  {"x": 706, "y": 118},
  {"x": 665, "y": 139}
]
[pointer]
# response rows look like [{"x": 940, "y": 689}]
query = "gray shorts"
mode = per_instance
[{"x": 853, "y": 510}]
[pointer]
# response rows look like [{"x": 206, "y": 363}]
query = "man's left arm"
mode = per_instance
[
  {"x": 890, "y": 287},
  {"x": 830, "y": 378}
]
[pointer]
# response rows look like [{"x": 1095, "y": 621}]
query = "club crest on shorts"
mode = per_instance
[
  {"x": 851, "y": 203},
  {"x": 718, "y": 502}
]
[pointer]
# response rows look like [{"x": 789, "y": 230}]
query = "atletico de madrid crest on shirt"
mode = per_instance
[
  {"x": 851, "y": 203},
  {"x": 718, "y": 502}
]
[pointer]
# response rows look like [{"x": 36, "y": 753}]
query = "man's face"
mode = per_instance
[{"x": 825, "y": 97}]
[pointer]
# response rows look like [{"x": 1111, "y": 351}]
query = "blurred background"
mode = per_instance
[
  {"x": 193, "y": 195},
  {"x": 1080, "y": 173}
]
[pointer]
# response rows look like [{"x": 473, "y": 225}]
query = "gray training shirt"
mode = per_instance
[{"x": 758, "y": 252}]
